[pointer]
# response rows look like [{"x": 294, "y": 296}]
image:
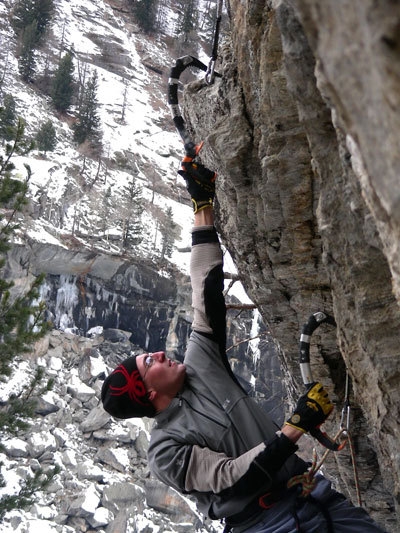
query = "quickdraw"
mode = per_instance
[
  {"x": 210, "y": 74},
  {"x": 308, "y": 329}
]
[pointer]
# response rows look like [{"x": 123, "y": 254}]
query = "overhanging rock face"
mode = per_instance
[{"x": 303, "y": 132}]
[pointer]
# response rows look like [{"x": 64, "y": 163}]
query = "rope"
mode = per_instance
[
  {"x": 307, "y": 480},
  {"x": 355, "y": 471}
]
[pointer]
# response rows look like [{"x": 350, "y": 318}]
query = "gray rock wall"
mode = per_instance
[{"x": 303, "y": 132}]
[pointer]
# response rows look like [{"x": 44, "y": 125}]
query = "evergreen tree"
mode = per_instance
[
  {"x": 187, "y": 21},
  {"x": 145, "y": 12},
  {"x": 88, "y": 125},
  {"x": 105, "y": 210},
  {"x": 131, "y": 209},
  {"x": 29, "y": 20},
  {"x": 26, "y": 12},
  {"x": 26, "y": 56},
  {"x": 169, "y": 232},
  {"x": 46, "y": 137},
  {"x": 7, "y": 118},
  {"x": 22, "y": 322},
  {"x": 63, "y": 84}
]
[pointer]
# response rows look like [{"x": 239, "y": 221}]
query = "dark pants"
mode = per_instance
[{"x": 327, "y": 511}]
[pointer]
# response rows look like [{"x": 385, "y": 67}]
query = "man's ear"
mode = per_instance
[{"x": 152, "y": 394}]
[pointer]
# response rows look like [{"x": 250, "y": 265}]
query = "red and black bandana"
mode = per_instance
[{"x": 124, "y": 394}]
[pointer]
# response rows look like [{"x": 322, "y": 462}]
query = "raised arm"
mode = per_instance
[{"x": 206, "y": 270}]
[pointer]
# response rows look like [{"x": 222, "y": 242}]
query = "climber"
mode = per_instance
[{"x": 211, "y": 440}]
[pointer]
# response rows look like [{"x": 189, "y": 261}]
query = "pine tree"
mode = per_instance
[
  {"x": 169, "y": 232},
  {"x": 63, "y": 84},
  {"x": 88, "y": 125},
  {"x": 131, "y": 209},
  {"x": 7, "y": 118},
  {"x": 145, "y": 12},
  {"x": 29, "y": 20},
  {"x": 46, "y": 137},
  {"x": 26, "y": 56},
  {"x": 26, "y": 12},
  {"x": 21, "y": 323},
  {"x": 104, "y": 211},
  {"x": 187, "y": 21}
]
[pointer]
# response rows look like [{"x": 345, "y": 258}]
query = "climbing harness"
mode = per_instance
[
  {"x": 308, "y": 329},
  {"x": 210, "y": 75}
]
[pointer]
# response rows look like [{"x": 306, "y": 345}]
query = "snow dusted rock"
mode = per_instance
[
  {"x": 122, "y": 495},
  {"x": 46, "y": 404},
  {"x": 79, "y": 390},
  {"x": 142, "y": 444},
  {"x": 42, "y": 511},
  {"x": 16, "y": 448},
  {"x": 39, "y": 443},
  {"x": 116, "y": 335},
  {"x": 61, "y": 436},
  {"x": 55, "y": 356},
  {"x": 96, "y": 419},
  {"x": 101, "y": 517},
  {"x": 86, "y": 504},
  {"x": 117, "y": 458},
  {"x": 68, "y": 458},
  {"x": 87, "y": 470},
  {"x": 91, "y": 366}
]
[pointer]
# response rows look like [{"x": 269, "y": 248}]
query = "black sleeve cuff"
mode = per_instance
[{"x": 204, "y": 236}]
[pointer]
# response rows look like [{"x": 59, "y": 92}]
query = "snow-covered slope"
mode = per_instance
[{"x": 144, "y": 143}]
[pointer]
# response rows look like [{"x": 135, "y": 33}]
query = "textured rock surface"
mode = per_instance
[{"x": 304, "y": 134}]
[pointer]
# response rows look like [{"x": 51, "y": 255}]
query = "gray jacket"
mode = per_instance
[{"x": 213, "y": 441}]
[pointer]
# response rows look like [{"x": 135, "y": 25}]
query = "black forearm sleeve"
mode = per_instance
[{"x": 260, "y": 474}]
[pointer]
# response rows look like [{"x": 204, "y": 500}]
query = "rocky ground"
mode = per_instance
[{"x": 104, "y": 483}]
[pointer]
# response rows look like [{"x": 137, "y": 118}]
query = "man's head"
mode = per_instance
[{"x": 142, "y": 385}]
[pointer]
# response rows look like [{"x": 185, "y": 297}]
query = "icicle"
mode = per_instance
[{"x": 254, "y": 332}]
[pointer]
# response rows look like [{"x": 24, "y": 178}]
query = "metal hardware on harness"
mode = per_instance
[
  {"x": 210, "y": 75},
  {"x": 308, "y": 329}
]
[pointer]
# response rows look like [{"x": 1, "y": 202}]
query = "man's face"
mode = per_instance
[{"x": 161, "y": 374}]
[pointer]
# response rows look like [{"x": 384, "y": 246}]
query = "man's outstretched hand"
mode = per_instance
[
  {"x": 200, "y": 183},
  {"x": 312, "y": 409}
]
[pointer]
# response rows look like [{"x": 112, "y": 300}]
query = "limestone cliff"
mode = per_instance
[{"x": 303, "y": 130}]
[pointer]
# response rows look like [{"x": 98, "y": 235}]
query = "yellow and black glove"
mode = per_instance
[
  {"x": 200, "y": 183},
  {"x": 312, "y": 409}
]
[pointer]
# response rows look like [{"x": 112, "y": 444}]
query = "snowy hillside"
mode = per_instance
[{"x": 143, "y": 143}]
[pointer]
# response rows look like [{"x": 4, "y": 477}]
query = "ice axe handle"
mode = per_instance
[{"x": 308, "y": 329}]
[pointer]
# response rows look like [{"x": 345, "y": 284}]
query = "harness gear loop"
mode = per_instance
[{"x": 210, "y": 75}]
